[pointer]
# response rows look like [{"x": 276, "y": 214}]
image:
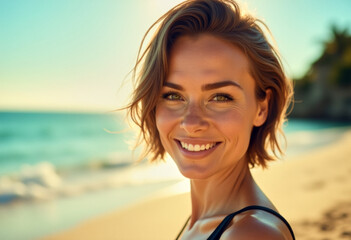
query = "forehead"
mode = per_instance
[{"x": 206, "y": 56}]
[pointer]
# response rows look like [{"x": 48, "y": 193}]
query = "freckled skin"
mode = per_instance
[
  {"x": 195, "y": 62},
  {"x": 208, "y": 98}
]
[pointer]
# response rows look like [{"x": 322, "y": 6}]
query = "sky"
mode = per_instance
[{"x": 75, "y": 55}]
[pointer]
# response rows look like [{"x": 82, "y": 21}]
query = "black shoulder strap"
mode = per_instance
[
  {"x": 181, "y": 231},
  {"x": 217, "y": 233}
]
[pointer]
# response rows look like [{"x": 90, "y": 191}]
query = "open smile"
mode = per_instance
[{"x": 197, "y": 147}]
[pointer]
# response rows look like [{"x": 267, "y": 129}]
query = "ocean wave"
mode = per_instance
[
  {"x": 33, "y": 182},
  {"x": 43, "y": 182}
]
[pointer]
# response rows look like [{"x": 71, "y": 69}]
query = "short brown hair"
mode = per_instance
[{"x": 222, "y": 19}]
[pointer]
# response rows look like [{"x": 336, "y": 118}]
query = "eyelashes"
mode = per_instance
[
  {"x": 172, "y": 96},
  {"x": 217, "y": 98},
  {"x": 222, "y": 97}
]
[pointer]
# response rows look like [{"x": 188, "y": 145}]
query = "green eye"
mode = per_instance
[
  {"x": 222, "y": 98},
  {"x": 171, "y": 96}
]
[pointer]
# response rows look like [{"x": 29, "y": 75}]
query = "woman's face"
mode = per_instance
[{"x": 207, "y": 107}]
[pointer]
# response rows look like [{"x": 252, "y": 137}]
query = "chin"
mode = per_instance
[{"x": 195, "y": 172}]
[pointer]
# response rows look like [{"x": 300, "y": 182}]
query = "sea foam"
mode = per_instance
[{"x": 43, "y": 182}]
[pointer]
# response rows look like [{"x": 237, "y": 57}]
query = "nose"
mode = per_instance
[{"x": 194, "y": 121}]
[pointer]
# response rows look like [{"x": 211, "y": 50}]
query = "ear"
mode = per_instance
[{"x": 262, "y": 109}]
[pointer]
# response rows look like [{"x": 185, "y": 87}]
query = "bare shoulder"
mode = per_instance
[{"x": 257, "y": 225}]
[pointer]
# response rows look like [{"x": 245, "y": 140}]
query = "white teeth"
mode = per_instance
[{"x": 196, "y": 148}]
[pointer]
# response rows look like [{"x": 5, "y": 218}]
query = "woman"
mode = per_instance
[{"x": 211, "y": 92}]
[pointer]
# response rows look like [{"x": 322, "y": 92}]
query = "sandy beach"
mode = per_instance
[{"x": 313, "y": 192}]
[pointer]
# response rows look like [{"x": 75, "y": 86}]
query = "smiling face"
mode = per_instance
[{"x": 207, "y": 107}]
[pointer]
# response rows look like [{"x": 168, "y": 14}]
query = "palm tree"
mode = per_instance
[
  {"x": 325, "y": 90},
  {"x": 337, "y": 56}
]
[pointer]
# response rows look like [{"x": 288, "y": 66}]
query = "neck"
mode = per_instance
[{"x": 222, "y": 193}]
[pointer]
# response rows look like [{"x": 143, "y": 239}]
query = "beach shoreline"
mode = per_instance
[{"x": 311, "y": 191}]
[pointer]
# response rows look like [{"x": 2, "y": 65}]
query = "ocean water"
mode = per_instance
[
  {"x": 56, "y": 166},
  {"x": 65, "y": 140}
]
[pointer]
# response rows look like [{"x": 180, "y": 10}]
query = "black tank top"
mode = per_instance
[{"x": 217, "y": 233}]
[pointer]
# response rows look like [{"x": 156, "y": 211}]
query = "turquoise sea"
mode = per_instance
[{"x": 62, "y": 168}]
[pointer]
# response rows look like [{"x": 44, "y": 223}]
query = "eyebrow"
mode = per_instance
[
  {"x": 173, "y": 85},
  {"x": 225, "y": 83},
  {"x": 206, "y": 87}
]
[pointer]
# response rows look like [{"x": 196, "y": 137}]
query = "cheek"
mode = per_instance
[
  {"x": 235, "y": 125},
  {"x": 159, "y": 116},
  {"x": 237, "y": 132},
  {"x": 164, "y": 120}
]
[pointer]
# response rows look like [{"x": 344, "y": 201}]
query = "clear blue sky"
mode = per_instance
[{"x": 73, "y": 55}]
